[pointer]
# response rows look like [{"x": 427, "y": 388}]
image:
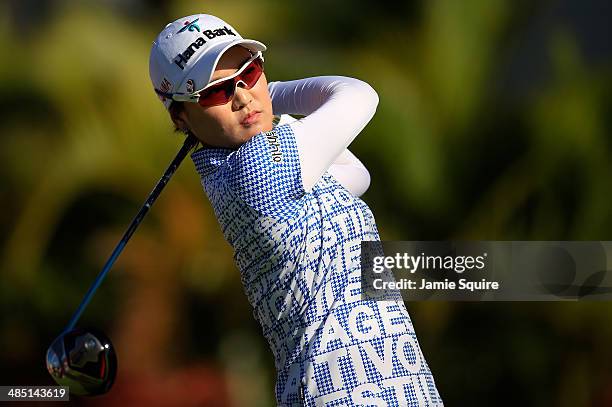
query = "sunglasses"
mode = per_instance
[{"x": 222, "y": 90}]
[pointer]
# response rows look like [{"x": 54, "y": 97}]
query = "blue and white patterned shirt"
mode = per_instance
[{"x": 299, "y": 259}]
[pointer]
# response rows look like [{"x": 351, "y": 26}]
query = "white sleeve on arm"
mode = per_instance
[
  {"x": 347, "y": 169},
  {"x": 351, "y": 173},
  {"x": 336, "y": 109}
]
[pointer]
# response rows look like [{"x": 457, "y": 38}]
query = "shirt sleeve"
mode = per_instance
[
  {"x": 265, "y": 173},
  {"x": 336, "y": 109},
  {"x": 347, "y": 169},
  {"x": 350, "y": 173}
]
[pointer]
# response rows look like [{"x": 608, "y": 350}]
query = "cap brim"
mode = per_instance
[{"x": 205, "y": 65}]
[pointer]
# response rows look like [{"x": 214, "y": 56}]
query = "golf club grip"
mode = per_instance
[{"x": 189, "y": 144}]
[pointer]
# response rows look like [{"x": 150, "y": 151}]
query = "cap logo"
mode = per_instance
[
  {"x": 190, "y": 26},
  {"x": 190, "y": 85},
  {"x": 181, "y": 59},
  {"x": 164, "y": 87}
]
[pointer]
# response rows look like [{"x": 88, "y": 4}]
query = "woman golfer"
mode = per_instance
[{"x": 286, "y": 197}]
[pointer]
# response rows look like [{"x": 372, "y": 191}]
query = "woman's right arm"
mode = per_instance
[{"x": 336, "y": 109}]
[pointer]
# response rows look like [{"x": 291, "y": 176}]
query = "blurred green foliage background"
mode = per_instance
[{"x": 494, "y": 123}]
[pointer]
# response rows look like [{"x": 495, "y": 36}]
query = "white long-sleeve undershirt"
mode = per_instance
[{"x": 336, "y": 109}]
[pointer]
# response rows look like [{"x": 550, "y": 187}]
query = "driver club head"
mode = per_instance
[{"x": 83, "y": 360}]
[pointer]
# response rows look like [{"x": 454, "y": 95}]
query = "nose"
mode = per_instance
[{"x": 242, "y": 96}]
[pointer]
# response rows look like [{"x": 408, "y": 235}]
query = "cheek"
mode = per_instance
[
  {"x": 206, "y": 124},
  {"x": 260, "y": 90},
  {"x": 212, "y": 119},
  {"x": 220, "y": 115}
]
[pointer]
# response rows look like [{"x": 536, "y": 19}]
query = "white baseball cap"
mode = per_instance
[{"x": 184, "y": 55}]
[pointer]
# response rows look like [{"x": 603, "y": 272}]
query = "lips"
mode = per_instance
[{"x": 251, "y": 118}]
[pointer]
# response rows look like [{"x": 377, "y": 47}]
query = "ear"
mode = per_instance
[{"x": 180, "y": 119}]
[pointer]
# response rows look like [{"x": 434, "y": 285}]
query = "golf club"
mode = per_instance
[{"x": 85, "y": 360}]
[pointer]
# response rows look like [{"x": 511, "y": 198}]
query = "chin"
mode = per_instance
[
  {"x": 240, "y": 139},
  {"x": 245, "y": 134},
  {"x": 252, "y": 132}
]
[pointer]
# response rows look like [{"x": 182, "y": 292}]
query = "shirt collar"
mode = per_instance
[{"x": 207, "y": 160}]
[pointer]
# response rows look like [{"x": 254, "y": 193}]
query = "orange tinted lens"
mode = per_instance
[
  {"x": 219, "y": 94},
  {"x": 251, "y": 74}
]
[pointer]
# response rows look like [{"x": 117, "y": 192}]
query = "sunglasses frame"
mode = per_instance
[{"x": 195, "y": 96}]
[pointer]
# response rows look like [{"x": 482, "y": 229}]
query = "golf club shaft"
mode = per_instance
[{"x": 189, "y": 143}]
